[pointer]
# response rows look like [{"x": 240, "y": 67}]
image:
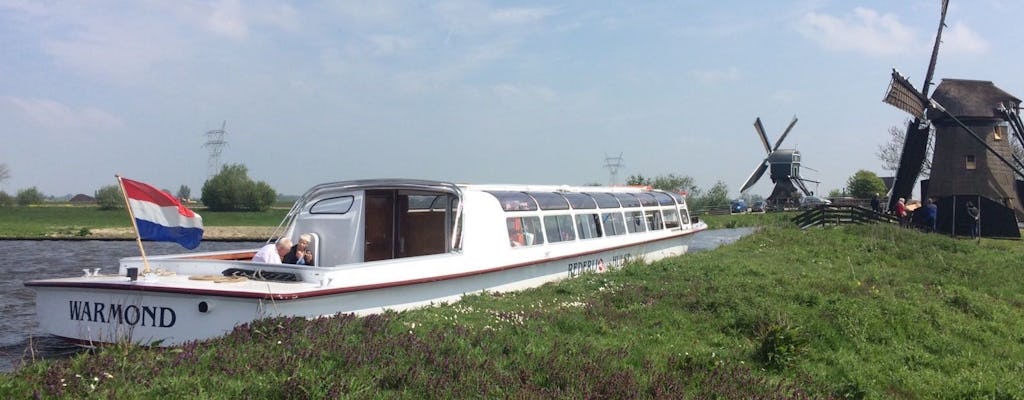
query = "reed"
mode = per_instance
[{"x": 874, "y": 312}]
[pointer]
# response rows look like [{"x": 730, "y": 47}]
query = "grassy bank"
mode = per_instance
[
  {"x": 854, "y": 312},
  {"x": 40, "y": 222}
]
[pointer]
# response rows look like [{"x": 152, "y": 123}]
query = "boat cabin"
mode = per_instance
[{"x": 374, "y": 220}]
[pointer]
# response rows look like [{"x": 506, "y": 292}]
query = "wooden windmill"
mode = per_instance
[
  {"x": 972, "y": 158},
  {"x": 784, "y": 165}
]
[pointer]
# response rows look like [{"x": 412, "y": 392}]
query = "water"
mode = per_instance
[
  {"x": 20, "y": 337},
  {"x": 25, "y": 260}
]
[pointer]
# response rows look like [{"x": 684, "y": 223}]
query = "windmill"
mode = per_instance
[
  {"x": 971, "y": 161},
  {"x": 784, "y": 166}
]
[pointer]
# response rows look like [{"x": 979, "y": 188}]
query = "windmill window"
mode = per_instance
[
  {"x": 970, "y": 163},
  {"x": 998, "y": 132}
]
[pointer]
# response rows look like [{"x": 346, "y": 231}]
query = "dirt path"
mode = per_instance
[{"x": 253, "y": 233}]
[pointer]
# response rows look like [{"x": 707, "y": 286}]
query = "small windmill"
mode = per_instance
[
  {"x": 784, "y": 165},
  {"x": 972, "y": 161}
]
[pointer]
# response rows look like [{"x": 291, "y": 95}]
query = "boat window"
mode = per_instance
[
  {"x": 684, "y": 217},
  {"x": 646, "y": 199},
  {"x": 627, "y": 199},
  {"x": 671, "y": 217},
  {"x": 426, "y": 202},
  {"x": 580, "y": 201},
  {"x": 613, "y": 224},
  {"x": 588, "y": 225},
  {"x": 635, "y": 222},
  {"x": 550, "y": 201},
  {"x": 605, "y": 200},
  {"x": 559, "y": 228},
  {"x": 663, "y": 198},
  {"x": 654, "y": 220},
  {"x": 333, "y": 205},
  {"x": 679, "y": 198},
  {"x": 515, "y": 201},
  {"x": 524, "y": 231}
]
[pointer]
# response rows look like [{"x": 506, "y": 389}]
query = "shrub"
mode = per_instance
[
  {"x": 109, "y": 197},
  {"x": 233, "y": 190},
  {"x": 781, "y": 343},
  {"x": 29, "y": 196}
]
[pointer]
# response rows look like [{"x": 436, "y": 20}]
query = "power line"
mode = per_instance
[
  {"x": 215, "y": 143},
  {"x": 613, "y": 164}
]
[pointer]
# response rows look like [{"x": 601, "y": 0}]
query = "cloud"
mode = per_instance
[
  {"x": 959, "y": 39},
  {"x": 53, "y": 115},
  {"x": 113, "y": 52},
  {"x": 227, "y": 19},
  {"x": 714, "y": 76},
  {"x": 234, "y": 19},
  {"x": 519, "y": 16},
  {"x": 865, "y": 31},
  {"x": 389, "y": 45},
  {"x": 531, "y": 93}
]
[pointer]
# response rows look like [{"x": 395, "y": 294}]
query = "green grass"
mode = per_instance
[
  {"x": 77, "y": 221},
  {"x": 872, "y": 312}
]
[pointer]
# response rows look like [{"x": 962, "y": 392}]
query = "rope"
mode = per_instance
[{"x": 218, "y": 278}]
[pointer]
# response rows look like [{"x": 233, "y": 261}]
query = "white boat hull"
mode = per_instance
[{"x": 141, "y": 312}]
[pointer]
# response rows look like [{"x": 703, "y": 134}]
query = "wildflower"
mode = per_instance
[{"x": 108, "y": 375}]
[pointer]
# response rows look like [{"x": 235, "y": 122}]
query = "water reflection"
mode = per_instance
[{"x": 24, "y": 260}]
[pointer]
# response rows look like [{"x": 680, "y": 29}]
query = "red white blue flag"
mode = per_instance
[{"x": 160, "y": 217}]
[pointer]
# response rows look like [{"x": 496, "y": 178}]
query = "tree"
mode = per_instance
[
  {"x": 29, "y": 196},
  {"x": 718, "y": 195},
  {"x": 670, "y": 182},
  {"x": 638, "y": 180},
  {"x": 233, "y": 190},
  {"x": 865, "y": 185},
  {"x": 5, "y": 173},
  {"x": 109, "y": 197},
  {"x": 889, "y": 153},
  {"x": 5, "y": 199},
  {"x": 184, "y": 193}
]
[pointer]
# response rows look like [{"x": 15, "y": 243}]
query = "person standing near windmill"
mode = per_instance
[
  {"x": 931, "y": 215},
  {"x": 975, "y": 214},
  {"x": 901, "y": 212}
]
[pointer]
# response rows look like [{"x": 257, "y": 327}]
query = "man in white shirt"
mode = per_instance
[{"x": 272, "y": 252}]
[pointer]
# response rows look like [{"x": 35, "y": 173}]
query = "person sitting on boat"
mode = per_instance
[
  {"x": 515, "y": 232},
  {"x": 272, "y": 252},
  {"x": 300, "y": 253}
]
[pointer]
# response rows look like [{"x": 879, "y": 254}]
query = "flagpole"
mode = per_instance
[{"x": 131, "y": 215}]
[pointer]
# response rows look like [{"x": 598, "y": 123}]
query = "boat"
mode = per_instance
[{"x": 381, "y": 244}]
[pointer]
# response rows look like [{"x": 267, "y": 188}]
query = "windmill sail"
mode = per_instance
[{"x": 915, "y": 144}]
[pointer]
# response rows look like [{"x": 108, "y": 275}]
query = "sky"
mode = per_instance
[{"x": 468, "y": 91}]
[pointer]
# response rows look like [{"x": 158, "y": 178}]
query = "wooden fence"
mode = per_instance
[{"x": 841, "y": 214}]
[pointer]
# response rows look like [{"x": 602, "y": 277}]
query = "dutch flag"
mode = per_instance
[{"x": 160, "y": 217}]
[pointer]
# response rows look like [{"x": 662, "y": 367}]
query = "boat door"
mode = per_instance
[
  {"x": 407, "y": 223},
  {"x": 380, "y": 221}
]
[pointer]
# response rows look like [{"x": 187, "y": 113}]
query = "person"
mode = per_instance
[
  {"x": 515, "y": 232},
  {"x": 901, "y": 211},
  {"x": 271, "y": 253},
  {"x": 975, "y": 214},
  {"x": 876, "y": 205},
  {"x": 300, "y": 253},
  {"x": 931, "y": 215}
]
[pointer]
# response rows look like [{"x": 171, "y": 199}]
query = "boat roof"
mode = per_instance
[{"x": 432, "y": 185}]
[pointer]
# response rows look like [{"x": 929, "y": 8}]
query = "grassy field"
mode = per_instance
[
  {"x": 873, "y": 312},
  {"x": 78, "y": 221}
]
